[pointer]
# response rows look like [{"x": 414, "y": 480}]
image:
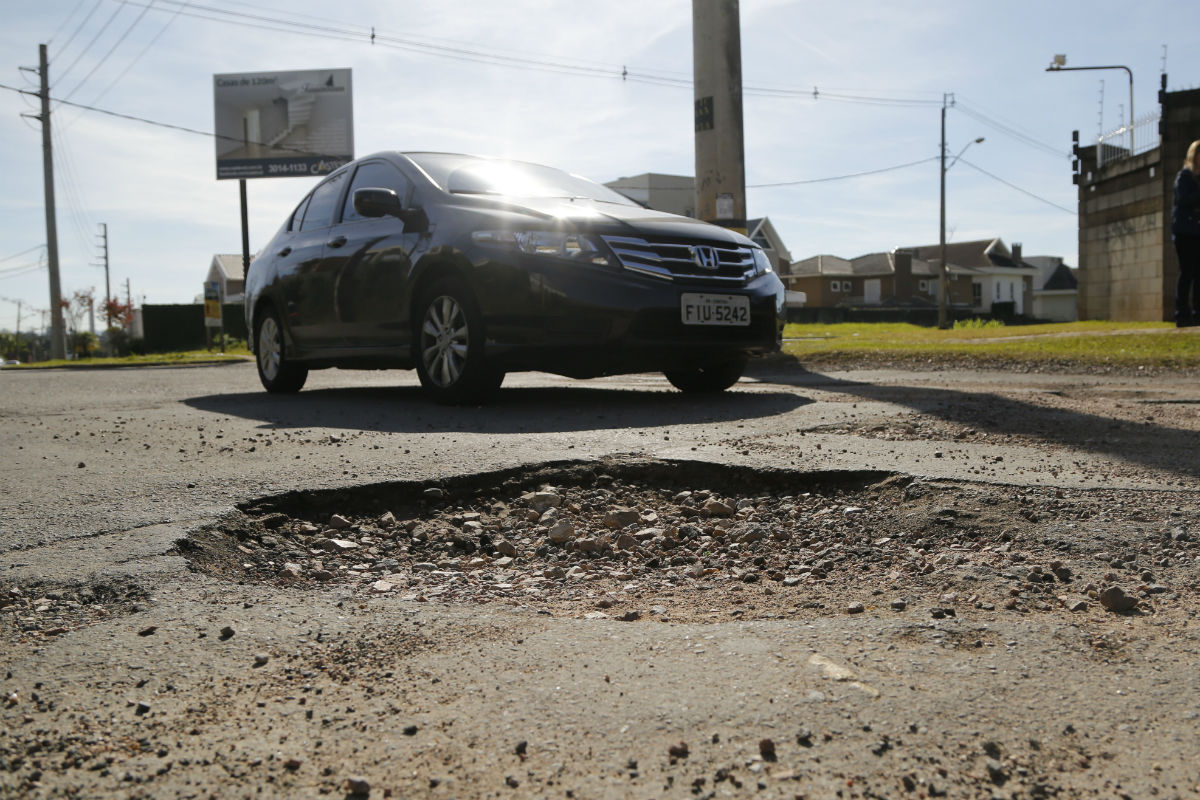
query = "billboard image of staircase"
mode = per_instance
[{"x": 283, "y": 124}]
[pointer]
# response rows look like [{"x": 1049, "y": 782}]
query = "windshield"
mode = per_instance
[{"x": 459, "y": 174}]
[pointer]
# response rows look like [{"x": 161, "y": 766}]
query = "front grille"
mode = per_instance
[{"x": 678, "y": 261}]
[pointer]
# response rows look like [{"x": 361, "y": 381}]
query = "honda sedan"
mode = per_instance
[{"x": 467, "y": 268}]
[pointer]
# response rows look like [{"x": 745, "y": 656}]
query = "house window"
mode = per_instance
[
  {"x": 924, "y": 286},
  {"x": 997, "y": 284},
  {"x": 976, "y": 294},
  {"x": 847, "y": 286},
  {"x": 1012, "y": 287},
  {"x": 835, "y": 286}
]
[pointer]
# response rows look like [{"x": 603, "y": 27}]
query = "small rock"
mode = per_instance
[
  {"x": 433, "y": 494},
  {"x": 716, "y": 508},
  {"x": 342, "y": 545},
  {"x": 899, "y": 605},
  {"x": 338, "y": 522},
  {"x": 561, "y": 532},
  {"x": 855, "y": 608},
  {"x": 506, "y": 548},
  {"x": 678, "y": 750},
  {"x": 261, "y": 659},
  {"x": 1115, "y": 599},
  {"x": 142, "y": 708},
  {"x": 410, "y": 730},
  {"x": 290, "y": 571},
  {"x": 504, "y": 562},
  {"x": 631, "y": 616},
  {"x": 766, "y": 747},
  {"x": 357, "y": 785},
  {"x": 148, "y": 631},
  {"x": 542, "y": 501},
  {"x": 388, "y": 520},
  {"x": 227, "y": 633},
  {"x": 621, "y": 516},
  {"x": 381, "y": 587}
]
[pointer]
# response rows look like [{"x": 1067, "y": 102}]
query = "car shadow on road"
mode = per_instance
[
  {"x": 515, "y": 410},
  {"x": 1144, "y": 442}
]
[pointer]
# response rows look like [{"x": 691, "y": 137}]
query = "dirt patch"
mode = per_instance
[{"x": 637, "y": 540}]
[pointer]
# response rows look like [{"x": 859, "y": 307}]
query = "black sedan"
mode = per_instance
[{"x": 467, "y": 268}]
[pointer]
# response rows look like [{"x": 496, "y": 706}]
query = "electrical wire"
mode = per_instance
[
  {"x": 78, "y": 28},
  {"x": 68, "y": 178},
  {"x": 111, "y": 50},
  {"x": 162, "y": 124},
  {"x": 1018, "y": 188},
  {"x": 63, "y": 24},
  {"x": 842, "y": 177},
  {"x": 120, "y": 7},
  {"x": 135, "y": 60},
  {"x": 1011, "y": 131},
  {"x": 23, "y": 252}
]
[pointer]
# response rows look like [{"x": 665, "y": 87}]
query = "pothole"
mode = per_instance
[{"x": 643, "y": 539}]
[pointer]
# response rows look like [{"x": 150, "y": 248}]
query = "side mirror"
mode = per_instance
[
  {"x": 385, "y": 203},
  {"x": 377, "y": 203}
]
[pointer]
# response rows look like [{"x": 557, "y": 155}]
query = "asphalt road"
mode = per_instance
[{"x": 104, "y": 471}]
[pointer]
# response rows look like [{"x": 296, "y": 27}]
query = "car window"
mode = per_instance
[
  {"x": 375, "y": 175},
  {"x": 298, "y": 214},
  {"x": 320, "y": 207}
]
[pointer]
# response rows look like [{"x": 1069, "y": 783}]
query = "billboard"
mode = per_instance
[{"x": 283, "y": 124}]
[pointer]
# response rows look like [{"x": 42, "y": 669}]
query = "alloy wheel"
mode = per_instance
[
  {"x": 270, "y": 348},
  {"x": 444, "y": 340}
]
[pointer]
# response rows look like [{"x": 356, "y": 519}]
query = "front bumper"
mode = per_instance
[{"x": 583, "y": 320}]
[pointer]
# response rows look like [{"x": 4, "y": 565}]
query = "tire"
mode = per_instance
[
  {"x": 708, "y": 378},
  {"x": 448, "y": 345},
  {"x": 278, "y": 374}
]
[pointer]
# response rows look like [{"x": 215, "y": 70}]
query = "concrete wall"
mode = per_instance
[{"x": 1127, "y": 267}]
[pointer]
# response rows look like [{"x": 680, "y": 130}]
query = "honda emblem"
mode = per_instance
[{"x": 705, "y": 257}]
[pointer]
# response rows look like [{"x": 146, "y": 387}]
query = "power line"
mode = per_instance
[
  {"x": 159, "y": 124},
  {"x": 842, "y": 177},
  {"x": 136, "y": 58},
  {"x": 23, "y": 252},
  {"x": 107, "y": 55},
  {"x": 78, "y": 28},
  {"x": 1018, "y": 188},
  {"x": 1011, "y": 131},
  {"x": 66, "y": 19},
  {"x": 88, "y": 46}
]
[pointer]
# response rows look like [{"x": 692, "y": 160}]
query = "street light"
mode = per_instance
[
  {"x": 944, "y": 283},
  {"x": 1059, "y": 64}
]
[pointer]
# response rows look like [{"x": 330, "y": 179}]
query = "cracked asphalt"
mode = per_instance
[{"x": 129, "y": 670}]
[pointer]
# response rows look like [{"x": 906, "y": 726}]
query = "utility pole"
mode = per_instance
[
  {"x": 128, "y": 294},
  {"x": 944, "y": 271},
  {"x": 107, "y": 289},
  {"x": 720, "y": 145},
  {"x": 58, "y": 340}
]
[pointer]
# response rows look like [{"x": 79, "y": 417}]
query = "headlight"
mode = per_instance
[
  {"x": 572, "y": 246},
  {"x": 762, "y": 264}
]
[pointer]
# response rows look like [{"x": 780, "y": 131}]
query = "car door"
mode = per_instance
[
  {"x": 307, "y": 279},
  {"x": 374, "y": 258}
]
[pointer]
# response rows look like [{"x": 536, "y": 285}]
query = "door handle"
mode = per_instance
[
  {"x": 284, "y": 251},
  {"x": 336, "y": 241}
]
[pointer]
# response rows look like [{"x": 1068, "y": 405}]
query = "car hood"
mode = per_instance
[{"x": 614, "y": 218}]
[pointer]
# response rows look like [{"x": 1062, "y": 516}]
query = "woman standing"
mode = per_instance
[{"x": 1185, "y": 231}]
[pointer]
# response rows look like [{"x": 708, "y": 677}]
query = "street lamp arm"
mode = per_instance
[{"x": 1128, "y": 71}]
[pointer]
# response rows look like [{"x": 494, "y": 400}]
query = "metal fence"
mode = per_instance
[{"x": 1127, "y": 141}]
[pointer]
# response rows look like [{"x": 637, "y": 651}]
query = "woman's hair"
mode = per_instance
[{"x": 1192, "y": 154}]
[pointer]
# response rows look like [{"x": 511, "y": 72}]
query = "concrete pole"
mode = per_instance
[{"x": 720, "y": 148}]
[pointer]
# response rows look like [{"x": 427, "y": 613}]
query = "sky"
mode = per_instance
[{"x": 541, "y": 80}]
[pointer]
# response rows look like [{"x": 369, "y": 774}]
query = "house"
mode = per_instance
[
  {"x": 1056, "y": 290},
  {"x": 874, "y": 279},
  {"x": 997, "y": 275},
  {"x": 227, "y": 271}
]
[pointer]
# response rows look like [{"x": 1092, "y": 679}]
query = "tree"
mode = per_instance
[{"x": 120, "y": 314}]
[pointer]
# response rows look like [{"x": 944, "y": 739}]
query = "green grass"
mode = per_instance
[
  {"x": 148, "y": 360},
  {"x": 1150, "y": 344}
]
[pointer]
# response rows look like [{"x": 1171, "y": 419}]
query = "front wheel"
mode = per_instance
[
  {"x": 449, "y": 345},
  {"x": 277, "y": 373},
  {"x": 707, "y": 377}
]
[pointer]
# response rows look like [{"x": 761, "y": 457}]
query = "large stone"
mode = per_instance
[
  {"x": 1115, "y": 599},
  {"x": 620, "y": 516},
  {"x": 561, "y": 532},
  {"x": 541, "y": 501}
]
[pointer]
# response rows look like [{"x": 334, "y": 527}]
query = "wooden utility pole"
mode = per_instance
[
  {"x": 58, "y": 340},
  {"x": 720, "y": 146}
]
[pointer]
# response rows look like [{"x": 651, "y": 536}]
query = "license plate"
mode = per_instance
[{"x": 714, "y": 309}]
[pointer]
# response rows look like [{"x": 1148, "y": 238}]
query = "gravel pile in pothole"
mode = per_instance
[
  {"x": 47, "y": 610},
  {"x": 597, "y": 542}
]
